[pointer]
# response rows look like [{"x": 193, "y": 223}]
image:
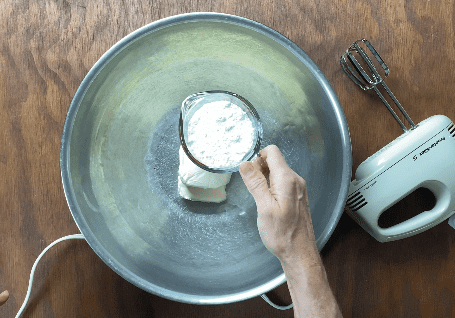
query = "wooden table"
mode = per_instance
[{"x": 48, "y": 46}]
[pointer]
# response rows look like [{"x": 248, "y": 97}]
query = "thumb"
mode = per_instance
[
  {"x": 255, "y": 182},
  {"x": 4, "y": 297}
]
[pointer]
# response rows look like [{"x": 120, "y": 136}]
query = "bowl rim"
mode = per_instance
[{"x": 123, "y": 271}]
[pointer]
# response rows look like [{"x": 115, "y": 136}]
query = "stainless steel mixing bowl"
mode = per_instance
[{"x": 119, "y": 155}]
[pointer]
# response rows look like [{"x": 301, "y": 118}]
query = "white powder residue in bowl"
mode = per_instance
[{"x": 220, "y": 134}]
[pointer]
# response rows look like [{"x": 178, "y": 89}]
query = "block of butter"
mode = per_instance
[{"x": 197, "y": 184}]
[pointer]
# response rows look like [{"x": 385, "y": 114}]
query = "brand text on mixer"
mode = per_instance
[{"x": 428, "y": 149}]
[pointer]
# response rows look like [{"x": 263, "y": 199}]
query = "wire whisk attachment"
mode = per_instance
[{"x": 368, "y": 77}]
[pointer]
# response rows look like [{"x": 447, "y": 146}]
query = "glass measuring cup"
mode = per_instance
[{"x": 195, "y": 102}]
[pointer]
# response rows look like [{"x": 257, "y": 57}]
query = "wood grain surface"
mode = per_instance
[{"x": 48, "y": 46}]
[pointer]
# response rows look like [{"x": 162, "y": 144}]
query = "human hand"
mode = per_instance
[
  {"x": 4, "y": 297},
  {"x": 284, "y": 223},
  {"x": 284, "y": 219}
]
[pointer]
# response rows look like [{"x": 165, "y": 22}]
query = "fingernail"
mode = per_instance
[{"x": 246, "y": 168}]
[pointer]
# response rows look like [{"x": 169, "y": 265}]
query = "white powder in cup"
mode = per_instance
[{"x": 220, "y": 134}]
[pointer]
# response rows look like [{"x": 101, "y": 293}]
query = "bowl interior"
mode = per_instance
[{"x": 120, "y": 155}]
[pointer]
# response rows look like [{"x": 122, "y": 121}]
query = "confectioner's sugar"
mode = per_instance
[{"x": 220, "y": 134}]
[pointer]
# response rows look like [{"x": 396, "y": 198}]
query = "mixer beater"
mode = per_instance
[{"x": 355, "y": 71}]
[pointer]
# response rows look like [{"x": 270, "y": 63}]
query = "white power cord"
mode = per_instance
[
  {"x": 80, "y": 236},
  {"x": 30, "y": 283},
  {"x": 275, "y": 305}
]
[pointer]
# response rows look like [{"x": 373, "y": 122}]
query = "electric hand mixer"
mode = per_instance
[{"x": 421, "y": 157}]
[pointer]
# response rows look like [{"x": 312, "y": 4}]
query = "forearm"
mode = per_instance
[{"x": 309, "y": 288}]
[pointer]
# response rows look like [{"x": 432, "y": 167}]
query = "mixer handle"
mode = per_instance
[{"x": 422, "y": 221}]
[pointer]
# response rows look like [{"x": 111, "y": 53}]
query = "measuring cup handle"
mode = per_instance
[{"x": 422, "y": 221}]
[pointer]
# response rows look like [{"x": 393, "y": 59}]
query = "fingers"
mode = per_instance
[
  {"x": 270, "y": 164},
  {"x": 272, "y": 157},
  {"x": 255, "y": 181},
  {"x": 261, "y": 165},
  {"x": 279, "y": 172},
  {"x": 4, "y": 297}
]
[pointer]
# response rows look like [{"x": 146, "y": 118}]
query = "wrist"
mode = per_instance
[{"x": 306, "y": 256}]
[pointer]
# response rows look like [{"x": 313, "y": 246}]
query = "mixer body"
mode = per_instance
[{"x": 421, "y": 157}]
